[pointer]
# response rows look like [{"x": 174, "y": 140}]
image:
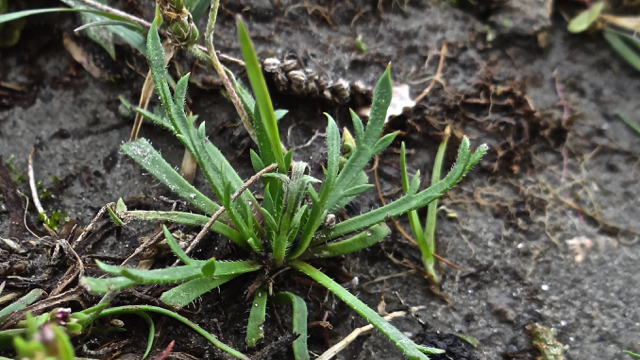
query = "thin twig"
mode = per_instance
[
  {"x": 91, "y": 225},
  {"x": 335, "y": 349},
  {"x": 215, "y": 216},
  {"x": 443, "y": 54},
  {"x": 110, "y": 10},
  {"x": 157, "y": 237},
  {"x": 32, "y": 183},
  {"x": 77, "y": 270}
]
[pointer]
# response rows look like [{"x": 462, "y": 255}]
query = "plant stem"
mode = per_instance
[
  {"x": 136, "y": 308},
  {"x": 432, "y": 209},
  {"x": 215, "y": 62},
  {"x": 630, "y": 123}
]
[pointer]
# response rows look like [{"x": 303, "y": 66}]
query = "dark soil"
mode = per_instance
[{"x": 554, "y": 172}]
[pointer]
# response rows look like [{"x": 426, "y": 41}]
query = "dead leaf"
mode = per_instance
[{"x": 81, "y": 56}]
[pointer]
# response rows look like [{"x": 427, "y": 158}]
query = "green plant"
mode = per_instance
[
  {"x": 426, "y": 237},
  {"x": 621, "y": 32},
  {"x": 289, "y": 226},
  {"x": 637, "y": 356}
]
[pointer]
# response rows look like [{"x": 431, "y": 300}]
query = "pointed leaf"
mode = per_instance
[
  {"x": 188, "y": 292},
  {"x": 256, "y": 317}
]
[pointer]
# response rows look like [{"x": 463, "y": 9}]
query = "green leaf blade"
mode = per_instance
[
  {"x": 263, "y": 99},
  {"x": 255, "y": 327}
]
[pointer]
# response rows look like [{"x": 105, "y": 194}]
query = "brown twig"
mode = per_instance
[
  {"x": 77, "y": 270},
  {"x": 110, "y": 10},
  {"x": 443, "y": 54},
  {"x": 335, "y": 349},
  {"x": 215, "y": 216}
]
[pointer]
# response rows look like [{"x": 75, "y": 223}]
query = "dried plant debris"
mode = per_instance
[
  {"x": 544, "y": 340},
  {"x": 579, "y": 247},
  {"x": 454, "y": 346},
  {"x": 496, "y": 110},
  {"x": 292, "y": 76}
]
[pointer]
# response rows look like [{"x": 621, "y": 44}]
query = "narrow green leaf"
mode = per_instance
[
  {"x": 107, "y": 23},
  {"x": 585, "y": 19},
  {"x": 114, "y": 217},
  {"x": 199, "y": 9},
  {"x": 148, "y": 308},
  {"x": 318, "y": 210},
  {"x": 263, "y": 100},
  {"x": 24, "y": 13},
  {"x": 408, "y": 202},
  {"x": 145, "y": 155},
  {"x": 256, "y": 317},
  {"x": 163, "y": 276},
  {"x": 180, "y": 93},
  {"x": 365, "y": 141},
  {"x": 177, "y": 250},
  {"x": 109, "y": 269},
  {"x": 618, "y": 43},
  {"x": 224, "y": 268},
  {"x": 191, "y": 220},
  {"x": 379, "y": 105},
  {"x": 269, "y": 220},
  {"x": 120, "y": 206},
  {"x": 279, "y": 114},
  {"x": 383, "y": 143},
  {"x": 155, "y": 119},
  {"x": 33, "y": 296},
  {"x": 355, "y": 243},
  {"x": 209, "y": 268},
  {"x": 299, "y": 322},
  {"x": 408, "y": 347},
  {"x": 357, "y": 190},
  {"x": 629, "y": 123},
  {"x": 288, "y": 157},
  {"x": 152, "y": 332},
  {"x": 182, "y": 295},
  {"x": 414, "y": 185},
  {"x": 358, "y": 127},
  {"x": 101, "y": 286},
  {"x": 256, "y": 162}
]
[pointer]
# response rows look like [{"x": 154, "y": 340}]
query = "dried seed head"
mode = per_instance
[
  {"x": 326, "y": 95},
  {"x": 358, "y": 88},
  {"x": 340, "y": 89},
  {"x": 324, "y": 82},
  {"x": 282, "y": 82},
  {"x": 271, "y": 65},
  {"x": 311, "y": 75},
  {"x": 330, "y": 220},
  {"x": 291, "y": 62},
  {"x": 298, "y": 81}
]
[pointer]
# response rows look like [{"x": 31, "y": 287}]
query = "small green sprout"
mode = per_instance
[{"x": 361, "y": 44}]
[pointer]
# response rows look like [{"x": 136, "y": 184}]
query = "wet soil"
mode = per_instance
[{"x": 556, "y": 172}]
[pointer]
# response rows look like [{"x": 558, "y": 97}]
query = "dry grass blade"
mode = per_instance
[{"x": 335, "y": 349}]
